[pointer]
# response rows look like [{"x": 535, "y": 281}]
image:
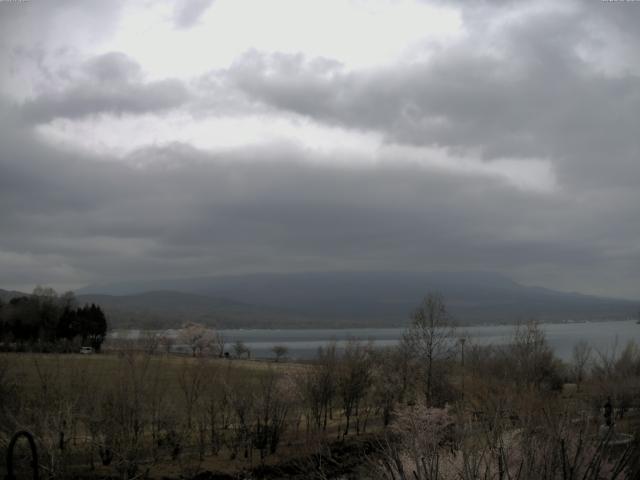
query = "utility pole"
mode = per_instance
[{"x": 462, "y": 340}]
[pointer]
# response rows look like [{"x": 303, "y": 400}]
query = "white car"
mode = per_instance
[{"x": 86, "y": 350}]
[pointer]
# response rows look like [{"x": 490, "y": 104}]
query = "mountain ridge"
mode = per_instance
[{"x": 350, "y": 299}]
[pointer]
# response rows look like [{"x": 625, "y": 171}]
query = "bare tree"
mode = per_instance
[
  {"x": 157, "y": 402},
  {"x": 191, "y": 379},
  {"x": 242, "y": 399},
  {"x": 430, "y": 336},
  {"x": 387, "y": 382},
  {"x": 167, "y": 341},
  {"x": 413, "y": 446},
  {"x": 216, "y": 407},
  {"x": 580, "y": 360},
  {"x": 9, "y": 402},
  {"x": 354, "y": 379},
  {"x": 150, "y": 343},
  {"x": 280, "y": 351},
  {"x": 219, "y": 342},
  {"x": 271, "y": 409},
  {"x": 530, "y": 358},
  {"x": 122, "y": 419},
  {"x": 240, "y": 349},
  {"x": 317, "y": 387}
]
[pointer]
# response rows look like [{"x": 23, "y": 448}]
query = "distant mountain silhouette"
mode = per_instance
[
  {"x": 6, "y": 295},
  {"x": 334, "y": 299},
  {"x": 167, "y": 309}
]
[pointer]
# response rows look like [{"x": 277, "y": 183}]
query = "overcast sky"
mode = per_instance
[{"x": 155, "y": 138}]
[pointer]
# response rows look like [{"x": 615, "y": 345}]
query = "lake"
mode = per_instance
[{"x": 304, "y": 343}]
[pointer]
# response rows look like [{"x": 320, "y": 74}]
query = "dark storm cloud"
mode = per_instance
[
  {"x": 189, "y": 212},
  {"x": 71, "y": 217},
  {"x": 188, "y": 12},
  {"x": 110, "y": 83}
]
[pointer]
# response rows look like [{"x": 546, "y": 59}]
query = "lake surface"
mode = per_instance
[{"x": 304, "y": 343}]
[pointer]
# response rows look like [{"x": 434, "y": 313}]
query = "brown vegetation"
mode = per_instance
[{"x": 410, "y": 412}]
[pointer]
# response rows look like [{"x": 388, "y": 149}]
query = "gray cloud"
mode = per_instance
[
  {"x": 113, "y": 67},
  {"x": 70, "y": 217},
  {"x": 537, "y": 98},
  {"x": 189, "y": 212},
  {"x": 188, "y": 12},
  {"x": 110, "y": 83},
  {"x": 34, "y": 31}
]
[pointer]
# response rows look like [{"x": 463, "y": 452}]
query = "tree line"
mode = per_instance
[{"x": 45, "y": 321}]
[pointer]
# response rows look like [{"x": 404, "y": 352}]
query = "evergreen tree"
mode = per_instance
[
  {"x": 97, "y": 328},
  {"x": 45, "y": 316}
]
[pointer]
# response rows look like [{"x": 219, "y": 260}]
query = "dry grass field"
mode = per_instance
[
  {"x": 179, "y": 415},
  {"x": 357, "y": 413}
]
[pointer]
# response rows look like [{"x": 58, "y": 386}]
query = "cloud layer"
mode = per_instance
[{"x": 506, "y": 145}]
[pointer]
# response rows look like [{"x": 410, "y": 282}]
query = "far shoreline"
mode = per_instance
[{"x": 304, "y": 327}]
